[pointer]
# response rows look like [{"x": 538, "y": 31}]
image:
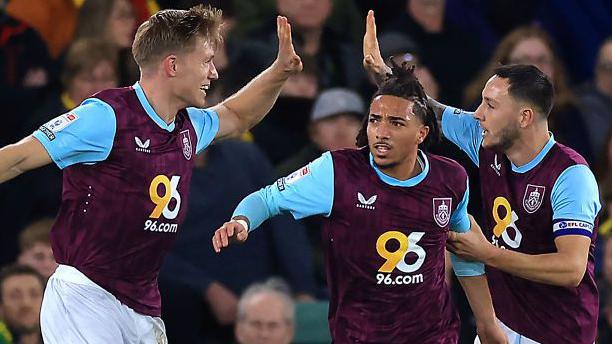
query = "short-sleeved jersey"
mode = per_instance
[
  {"x": 525, "y": 209},
  {"x": 384, "y": 242},
  {"x": 384, "y": 248},
  {"x": 125, "y": 189}
]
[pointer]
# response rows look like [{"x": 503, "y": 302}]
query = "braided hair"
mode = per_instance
[{"x": 404, "y": 84}]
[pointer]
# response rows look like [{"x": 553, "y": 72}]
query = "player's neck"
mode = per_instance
[
  {"x": 164, "y": 104},
  {"x": 405, "y": 170},
  {"x": 528, "y": 146}
]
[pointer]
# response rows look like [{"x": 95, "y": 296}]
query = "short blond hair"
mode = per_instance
[{"x": 175, "y": 30}]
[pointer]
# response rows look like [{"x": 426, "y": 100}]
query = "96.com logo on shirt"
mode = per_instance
[
  {"x": 397, "y": 259},
  {"x": 167, "y": 204}
]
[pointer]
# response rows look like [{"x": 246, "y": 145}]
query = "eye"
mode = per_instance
[
  {"x": 397, "y": 124},
  {"x": 490, "y": 106},
  {"x": 373, "y": 120}
]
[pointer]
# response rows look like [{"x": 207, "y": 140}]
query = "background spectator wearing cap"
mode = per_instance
[{"x": 334, "y": 123}]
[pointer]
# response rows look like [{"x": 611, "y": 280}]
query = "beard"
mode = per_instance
[{"x": 507, "y": 137}]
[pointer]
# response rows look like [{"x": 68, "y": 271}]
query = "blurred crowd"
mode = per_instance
[{"x": 56, "y": 53}]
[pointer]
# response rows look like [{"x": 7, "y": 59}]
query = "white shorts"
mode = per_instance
[
  {"x": 513, "y": 336},
  {"x": 76, "y": 310}
]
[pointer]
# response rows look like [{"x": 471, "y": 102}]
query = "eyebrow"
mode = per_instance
[
  {"x": 490, "y": 100},
  {"x": 391, "y": 118}
]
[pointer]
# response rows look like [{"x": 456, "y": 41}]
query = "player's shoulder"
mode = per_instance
[
  {"x": 354, "y": 155},
  {"x": 568, "y": 155},
  {"x": 116, "y": 96},
  {"x": 444, "y": 164}
]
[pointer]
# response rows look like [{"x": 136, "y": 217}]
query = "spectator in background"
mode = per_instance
[
  {"x": 424, "y": 22},
  {"x": 42, "y": 15},
  {"x": 115, "y": 22},
  {"x": 90, "y": 66},
  {"x": 403, "y": 49},
  {"x": 200, "y": 288},
  {"x": 35, "y": 247},
  {"x": 329, "y": 61},
  {"x": 595, "y": 100},
  {"x": 330, "y": 53},
  {"x": 21, "y": 291},
  {"x": 266, "y": 314},
  {"x": 532, "y": 45},
  {"x": 24, "y": 74},
  {"x": 334, "y": 123}
]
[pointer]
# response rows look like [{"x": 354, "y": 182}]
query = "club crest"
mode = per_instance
[
  {"x": 442, "y": 210},
  {"x": 534, "y": 195},
  {"x": 186, "y": 144}
]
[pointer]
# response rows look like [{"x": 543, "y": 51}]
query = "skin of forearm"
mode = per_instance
[
  {"x": 477, "y": 292},
  {"x": 9, "y": 163},
  {"x": 551, "y": 268},
  {"x": 437, "y": 107},
  {"x": 256, "y": 99}
]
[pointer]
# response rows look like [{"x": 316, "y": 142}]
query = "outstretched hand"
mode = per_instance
[
  {"x": 287, "y": 59},
  {"x": 232, "y": 231},
  {"x": 372, "y": 59}
]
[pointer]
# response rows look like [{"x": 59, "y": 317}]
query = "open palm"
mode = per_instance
[
  {"x": 372, "y": 60},
  {"x": 287, "y": 58}
]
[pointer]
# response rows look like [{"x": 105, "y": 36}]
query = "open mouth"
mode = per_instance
[
  {"x": 382, "y": 148},
  {"x": 204, "y": 88}
]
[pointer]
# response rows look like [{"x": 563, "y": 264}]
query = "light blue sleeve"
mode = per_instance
[
  {"x": 460, "y": 222},
  {"x": 206, "y": 125},
  {"x": 85, "y": 134},
  {"x": 462, "y": 129},
  {"x": 575, "y": 202},
  {"x": 306, "y": 192}
]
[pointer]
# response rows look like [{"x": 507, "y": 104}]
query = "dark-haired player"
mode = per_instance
[
  {"x": 541, "y": 205},
  {"x": 388, "y": 208}
]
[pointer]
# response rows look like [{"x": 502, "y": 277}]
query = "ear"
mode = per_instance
[
  {"x": 422, "y": 134},
  {"x": 528, "y": 116},
  {"x": 169, "y": 65}
]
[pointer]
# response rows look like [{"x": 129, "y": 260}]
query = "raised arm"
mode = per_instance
[
  {"x": 247, "y": 107},
  {"x": 375, "y": 65},
  {"x": 22, "y": 156},
  {"x": 372, "y": 60}
]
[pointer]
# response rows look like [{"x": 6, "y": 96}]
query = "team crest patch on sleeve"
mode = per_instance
[
  {"x": 297, "y": 175},
  {"x": 58, "y": 124},
  {"x": 442, "y": 210},
  {"x": 534, "y": 195},
  {"x": 186, "y": 144}
]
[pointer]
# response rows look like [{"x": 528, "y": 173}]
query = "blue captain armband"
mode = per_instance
[{"x": 572, "y": 227}]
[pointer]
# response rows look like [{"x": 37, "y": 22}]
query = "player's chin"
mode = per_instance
[
  {"x": 199, "y": 101},
  {"x": 383, "y": 160}
]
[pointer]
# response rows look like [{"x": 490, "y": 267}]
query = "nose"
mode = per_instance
[
  {"x": 382, "y": 131},
  {"x": 212, "y": 73},
  {"x": 478, "y": 115}
]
